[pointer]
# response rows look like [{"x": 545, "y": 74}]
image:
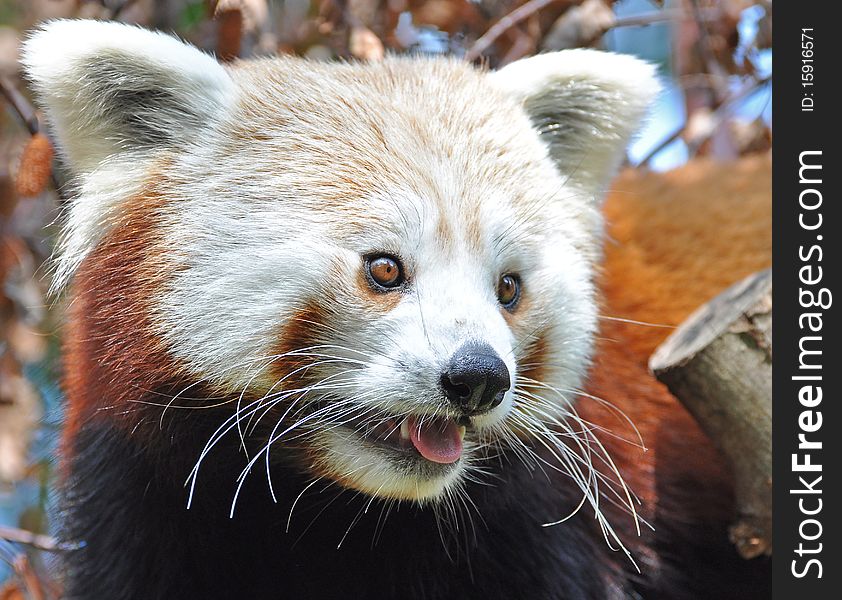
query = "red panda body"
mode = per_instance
[
  {"x": 335, "y": 331},
  {"x": 262, "y": 552}
]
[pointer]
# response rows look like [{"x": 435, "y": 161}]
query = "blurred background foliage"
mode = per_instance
[{"x": 714, "y": 57}]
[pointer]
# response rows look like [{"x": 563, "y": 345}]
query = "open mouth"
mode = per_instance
[{"x": 435, "y": 439}]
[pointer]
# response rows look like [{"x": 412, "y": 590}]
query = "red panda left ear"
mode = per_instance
[
  {"x": 585, "y": 105},
  {"x": 112, "y": 89},
  {"x": 117, "y": 96}
]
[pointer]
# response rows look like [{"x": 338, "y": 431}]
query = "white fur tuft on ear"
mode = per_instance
[
  {"x": 585, "y": 104},
  {"x": 110, "y": 88}
]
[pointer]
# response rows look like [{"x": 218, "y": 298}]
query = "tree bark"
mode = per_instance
[{"x": 718, "y": 363}]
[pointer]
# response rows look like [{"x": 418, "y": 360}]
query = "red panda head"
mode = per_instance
[{"x": 390, "y": 264}]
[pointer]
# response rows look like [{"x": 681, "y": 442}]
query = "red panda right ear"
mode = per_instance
[
  {"x": 111, "y": 89},
  {"x": 584, "y": 104}
]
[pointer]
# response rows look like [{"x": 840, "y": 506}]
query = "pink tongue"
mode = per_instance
[{"x": 437, "y": 440}]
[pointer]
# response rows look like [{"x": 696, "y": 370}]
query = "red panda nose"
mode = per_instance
[{"x": 476, "y": 378}]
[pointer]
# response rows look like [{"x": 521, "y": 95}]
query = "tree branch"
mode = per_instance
[{"x": 20, "y": 105}]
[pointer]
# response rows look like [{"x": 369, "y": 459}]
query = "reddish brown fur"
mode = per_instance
[
  {"x": 674, "y": 241},
  {"x": 302, "y": 330},
  {"x": 677, "y": 239},
  {"x": 111, "y": 352}
]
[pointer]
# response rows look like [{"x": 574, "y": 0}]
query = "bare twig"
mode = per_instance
[
  {"x": 704, "y": 81},
  {"x": 528, "y": 9},
  {"x": 20, "y": 105},
  {"x": 521, "y": 13},
  {"x": 661, "y": 16},
  {"x": 30, "y": 579},
  {"x": 35, "y": 540},
  {"x": 677, "y": 133},
  {"x": 705, "y": 48},
  {"x": 718, "y": 117},
  {"x": 644, "y": 20},
  {"x": 23, "y": 108},
  {"x": 724, "y": 110},
  {"x": 524, "y": 44}
]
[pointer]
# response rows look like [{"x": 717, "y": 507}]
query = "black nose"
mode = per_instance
[{"x": 476, "y": 378}]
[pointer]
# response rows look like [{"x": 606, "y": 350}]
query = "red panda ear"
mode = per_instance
[
  {"x": 110, "y": 88},
  {"x": 585, "y": 104}
]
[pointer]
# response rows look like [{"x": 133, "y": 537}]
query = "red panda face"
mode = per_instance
[
  {"x": 386, "y": 327},
  {"x": 386, "y": 267}
]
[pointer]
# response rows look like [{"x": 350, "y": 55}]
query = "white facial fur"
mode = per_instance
[{"x": 280, "y": 175}]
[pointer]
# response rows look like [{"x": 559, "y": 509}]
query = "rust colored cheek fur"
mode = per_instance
[
  {"x": 295, "y": 367},
  {"x": 111, "y": 355},
  {"x": 298, "y": 352},
  {"x": 302, "y": 331}
]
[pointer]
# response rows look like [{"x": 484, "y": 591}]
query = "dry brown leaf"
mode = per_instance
[
  {"x": 11, "y": 591},
  {"x": 229, "y": 33},
  {"x": 700, "y": 126},
  {"x": 365, "y": 45},
  {"x": 580, "y": 26},
  {"x": 255, "y": 13},
  {"x": 763, "y": 39},
  {"x": 243, "y": 29},
  {"x": 365, "y": 12},
  {"x": 8, "y": 197},
  {"x": 439, "y": 13},
  {"x": 31, "y": 581},
  {"x": 20, "y": 412},
  {"x": 750, "y": 136},
  {"x": 35, "y": 166},
  {"x": 20, "y": 404},
  {"x": 28, "y": 345}
]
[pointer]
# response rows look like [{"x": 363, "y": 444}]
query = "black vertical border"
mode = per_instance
[{"x": 796, "y": 131}]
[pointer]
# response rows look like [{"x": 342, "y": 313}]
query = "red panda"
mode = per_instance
[{"x": 336, "y": 331}]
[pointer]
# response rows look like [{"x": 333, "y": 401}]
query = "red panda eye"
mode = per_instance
[
  {"x": 508, "y": 291},
  {"x": 385, "y": 271}
]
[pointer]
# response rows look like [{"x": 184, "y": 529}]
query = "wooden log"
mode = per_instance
[{"x": 718, "y": 363}]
